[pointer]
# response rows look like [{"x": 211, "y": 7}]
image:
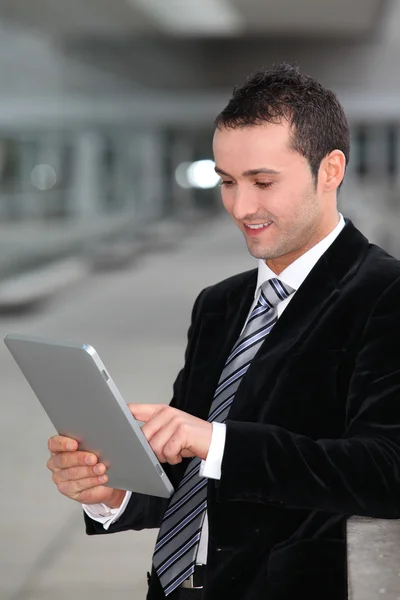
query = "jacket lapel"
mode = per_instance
[{"x": 219, "y": 331}]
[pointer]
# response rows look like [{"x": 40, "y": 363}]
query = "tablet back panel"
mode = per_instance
[{"x": 83, "y": 403}]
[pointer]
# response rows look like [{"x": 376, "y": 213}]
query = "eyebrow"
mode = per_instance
[{"x": 250, "y": 172}]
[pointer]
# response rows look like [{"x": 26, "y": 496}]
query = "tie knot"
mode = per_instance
[{"x": 274, "y": 291}]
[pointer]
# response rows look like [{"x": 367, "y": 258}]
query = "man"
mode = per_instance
[{"x": 285, "y": 419}]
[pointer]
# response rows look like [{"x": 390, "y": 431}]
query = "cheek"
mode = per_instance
[
  {"x": 277, "y": 202},
  {"x": 286, "y": 203},
  {"x": 227, "y": 200}
]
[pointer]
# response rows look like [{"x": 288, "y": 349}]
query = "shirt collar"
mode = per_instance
[{"x": 297, "y": 271}]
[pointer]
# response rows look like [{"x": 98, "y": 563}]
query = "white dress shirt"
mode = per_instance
[{"x": 293, "y": 276}]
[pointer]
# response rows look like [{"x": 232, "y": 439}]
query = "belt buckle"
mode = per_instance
[{"x": 189, "y": 584}]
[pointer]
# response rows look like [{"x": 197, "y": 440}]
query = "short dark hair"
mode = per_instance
[{"x": 318, "y": 121}]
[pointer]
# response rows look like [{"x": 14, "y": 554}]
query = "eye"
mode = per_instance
[
  {"x": 263, "y": 185},
  {"x": 226, "y": 183}
]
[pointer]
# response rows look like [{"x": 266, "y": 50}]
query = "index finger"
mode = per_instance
[
  {"x": 61, "y": 443},
  {"x": 144, "y": 412}
]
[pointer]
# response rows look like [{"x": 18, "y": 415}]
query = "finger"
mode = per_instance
[
  {"x": 65, "y": 460},
  {"x": 60, "y": 443},
  {"x": 144, "y": 412},
  {"x": 159, "y": 421},
  {"x": 187, "y": 453},
  {"x": 175, "y": 448},
  {"x": 162, "y": 438},
  {"x": 184, "y": 440},
  {"x": 72, "y": 488},
  {"x": 76, "y": 473}
]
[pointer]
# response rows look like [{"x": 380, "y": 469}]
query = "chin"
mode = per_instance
[
  {"x": 260, "y": 253},
  {"x": 265, "y": 252}
]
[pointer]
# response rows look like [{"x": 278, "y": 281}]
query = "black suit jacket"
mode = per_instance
[{"x": 313, "y": 435}]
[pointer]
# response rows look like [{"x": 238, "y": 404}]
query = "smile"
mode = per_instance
[
  {"x": 256, "y": 229},
  {"x": 259, "y": 226}
]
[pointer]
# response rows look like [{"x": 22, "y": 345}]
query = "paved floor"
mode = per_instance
[{"x": 44, "y": 552}]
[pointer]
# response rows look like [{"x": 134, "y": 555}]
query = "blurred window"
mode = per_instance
[
  {"x": 393, "y": 151},
  {"x": 8, "y": 164},
  {"x": 361, "y": 151}
]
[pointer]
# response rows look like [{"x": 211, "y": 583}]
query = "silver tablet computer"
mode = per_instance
[{"x": 83, "y": 403}]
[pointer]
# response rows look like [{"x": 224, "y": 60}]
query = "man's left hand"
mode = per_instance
[{"x": 172, "y": 433}]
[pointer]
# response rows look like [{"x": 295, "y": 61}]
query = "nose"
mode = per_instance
[{"x": 245, "y": 205}]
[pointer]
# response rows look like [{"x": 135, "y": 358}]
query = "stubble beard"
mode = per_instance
[
  {"x": 263, "y": 252},
  {"x": 291, "y": 240}
]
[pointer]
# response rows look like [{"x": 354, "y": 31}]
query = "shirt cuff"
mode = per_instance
[
  {"x": 211, "y": 467},
  {"x": 104, "y": 514}
]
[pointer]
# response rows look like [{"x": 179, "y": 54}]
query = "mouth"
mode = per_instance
[{"x": 256, "y": 228}]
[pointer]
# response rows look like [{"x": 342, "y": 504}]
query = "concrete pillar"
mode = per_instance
[
  {"x": 396, "y": 174},
  {"x": 372, "y": 558},
  {"x": 52, "y": 200},
  {"x": 125, "y": 173},
  {"x": 152, "y": 170},
  {"x": 27, "y": 199},
  {"x": 182, "y": 151},
  {"x": 351, "y": 167},
  {"x": 133, "y": 175},
  {"x": 87, "y": 190}
]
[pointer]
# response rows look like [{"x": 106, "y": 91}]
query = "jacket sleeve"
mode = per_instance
[
  {"x": 144, "y": 511},
  {"x": 358, "y": 474}
]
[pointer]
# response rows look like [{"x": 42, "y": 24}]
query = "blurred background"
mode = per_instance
[{"x": 110, "y": 213}]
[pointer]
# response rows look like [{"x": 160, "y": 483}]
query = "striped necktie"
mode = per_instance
[{"x": 178, "y": 539}]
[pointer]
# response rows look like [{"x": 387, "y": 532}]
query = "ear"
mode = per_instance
[{"x": 331, "y": 171}]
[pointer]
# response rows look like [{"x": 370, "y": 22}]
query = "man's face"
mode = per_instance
[{"x": 265, "y": 183}]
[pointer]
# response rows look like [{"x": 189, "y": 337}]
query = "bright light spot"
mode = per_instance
[
  {"x": 181, "y": 175},
  {"x": 43, "y": 177},
  {"x": 201, "y": 174}
]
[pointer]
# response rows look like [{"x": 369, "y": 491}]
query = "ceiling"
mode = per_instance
[
  {"x": 125, "y": 18},
  {"x": 196, "y": 44},
  {"x": 177, "y": 60}
]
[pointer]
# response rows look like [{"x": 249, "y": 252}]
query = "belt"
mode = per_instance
[{"x": 195, "y": 581}]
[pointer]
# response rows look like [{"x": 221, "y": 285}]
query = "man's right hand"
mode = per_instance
[{"x": 78, "y": 475}]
